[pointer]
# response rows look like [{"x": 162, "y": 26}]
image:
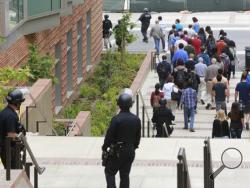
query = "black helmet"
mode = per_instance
[
  {"x": 125, "y": 101},
  {"x": 145, "y": 9},
  {"x": 106, "y": 16},
  {"x": 15, "y": 97}
]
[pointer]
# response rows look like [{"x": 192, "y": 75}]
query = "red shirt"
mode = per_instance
[
  {"x": 220, "y": 45},
  {"x": 197, "y": 45},
  {"x": 154, "y": 99}
]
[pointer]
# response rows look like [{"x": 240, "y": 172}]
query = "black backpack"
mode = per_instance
[
  {"x": 162, "y": 69},
  {"x": 192, "y": 77},
  {"x": 180, "y": 78}
]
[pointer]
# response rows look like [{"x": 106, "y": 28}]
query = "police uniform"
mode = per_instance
[
  {"x": 124, "y": 132},
  {"x": 9, "y": 123},
  {"x": 145, "y": 22}
]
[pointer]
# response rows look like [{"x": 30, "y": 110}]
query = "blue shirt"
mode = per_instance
[
  {"x": 178, "y": 26},
  {"x": 196, "y": 27},
  {"x": 189, "y": 97},
  {"x": 244, "y": 91},
  {"x": 180, "y": 54}
]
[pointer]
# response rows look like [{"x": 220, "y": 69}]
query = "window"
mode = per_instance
[
  {"x": 58, "y": 86},
  {"x": 88, "y": 26},
  {"x": 79, "y": 51},
  {"x": 69, "y": 64},
  {"x": 16, "y": 12}
]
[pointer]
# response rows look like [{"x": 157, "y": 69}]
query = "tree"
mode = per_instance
[
  {"x": 10, "y": 77},
  {"x": 122, "y": 35},
  {"x": 40, "y": 66}
]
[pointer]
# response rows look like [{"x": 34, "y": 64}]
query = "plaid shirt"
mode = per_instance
[{"x": 189, "y": 97}]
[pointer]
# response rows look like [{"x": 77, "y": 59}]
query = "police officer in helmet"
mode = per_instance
[
  {"x": 145, "y": 22},
  {"x": 121, "y": 140},
  {"x": 9, "y": 123},
  {"x": 106, "y": 30}
]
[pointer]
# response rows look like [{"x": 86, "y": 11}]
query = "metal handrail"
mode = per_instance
[
  {"x": 208, "y": 167},
  {"x": 183, "y": 178},
  {"x": 144, "y": 112}
]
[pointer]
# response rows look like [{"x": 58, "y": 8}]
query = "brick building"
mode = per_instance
[{"x": 69, "y": 30}]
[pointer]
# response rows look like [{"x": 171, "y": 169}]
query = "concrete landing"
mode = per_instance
[{"x": 73, "y": 162}]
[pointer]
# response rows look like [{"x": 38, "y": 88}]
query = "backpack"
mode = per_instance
[
  {"x": 226, "y": 63},
  {"x": 211, "y": 44},
  {"x": 162, "y": 70},
  {"x": 193, "y": 79},
  {"x": 180, "y": 78}
]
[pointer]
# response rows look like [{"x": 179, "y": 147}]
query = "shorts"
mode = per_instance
[{"x": 245, "y": 107}]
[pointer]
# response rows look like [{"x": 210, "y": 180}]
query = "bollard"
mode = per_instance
[
  {"x": 143, "y": 121},
  {"x": 8, "y": 157},
  {"x": 137, "y": 104}
]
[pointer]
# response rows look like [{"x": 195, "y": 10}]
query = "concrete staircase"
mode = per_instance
[{"x": 203, "y": 119}]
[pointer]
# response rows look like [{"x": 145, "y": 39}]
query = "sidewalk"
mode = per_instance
[{"x": 221, "y": 19}]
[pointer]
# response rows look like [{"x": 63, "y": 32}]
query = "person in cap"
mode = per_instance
[
  {"x": 10, "y": 125},
  {"x": 121, "y": 140},
  {"x": 145, "y": 22}
]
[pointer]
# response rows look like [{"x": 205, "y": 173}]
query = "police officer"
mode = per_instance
[
  {"x": 106, "y": 26},
  {"x": 145, "y": 22},
  {"x": 163, "y": 118},
  {"x": 9, "y": 123},
  {"x": 121, "y": 140}
]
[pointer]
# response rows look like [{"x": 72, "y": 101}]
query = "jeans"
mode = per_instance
[
  {"x": 189, "y": 113},
  {"x": 221, "y": 105},
  {"x": 163, "y": 42},
  {"x": 235, "y": 133},
  {"x": 157, "y": 45}
]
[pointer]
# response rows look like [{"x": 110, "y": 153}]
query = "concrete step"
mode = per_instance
[{"x": 74, "y": 162}]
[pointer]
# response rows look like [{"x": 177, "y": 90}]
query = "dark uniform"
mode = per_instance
[
  {"x": 124, "y": 133},
  {"x": 9, "y": 123},
  {"x": 163, "y": 118},
  {"x": 145, "y": 22},
  {"x": 106, "y": 26}
]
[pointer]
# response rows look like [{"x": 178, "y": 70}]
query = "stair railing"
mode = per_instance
[
  {"x": 208, "y": 168},
  {"x": 183, "y": 179}
]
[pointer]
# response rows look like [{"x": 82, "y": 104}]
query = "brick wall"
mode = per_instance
[{"x": 17, "y": 54}]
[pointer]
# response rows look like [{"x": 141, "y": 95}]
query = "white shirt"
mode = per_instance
[
  {"x": 167, "y": 89},
  {"x": 178, "y": 42}
]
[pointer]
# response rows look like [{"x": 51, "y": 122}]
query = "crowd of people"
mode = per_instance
[{"x": 199, "y": 71}]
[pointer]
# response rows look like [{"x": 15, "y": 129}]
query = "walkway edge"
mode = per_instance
[{"x": 143, "y": 72}]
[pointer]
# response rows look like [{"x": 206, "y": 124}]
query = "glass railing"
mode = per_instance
[{"x": 36, "y": 7}]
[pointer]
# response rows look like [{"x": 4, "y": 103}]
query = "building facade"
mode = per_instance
[{"x": 68, "y": 30}]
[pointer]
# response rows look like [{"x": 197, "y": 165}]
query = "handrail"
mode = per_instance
[
  {"x": 39, "y": 169},
  {"x": 183, "y": 178},
  {"x": 208, "y": 168},
  {"x": 144, "y": 112}
]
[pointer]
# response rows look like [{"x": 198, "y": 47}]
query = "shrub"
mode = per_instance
[{"x": 99, "y": 92}]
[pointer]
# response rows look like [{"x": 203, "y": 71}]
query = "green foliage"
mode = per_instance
[
  {"x": 122, "y": 35},
  {"x": 72, "y": 110},
  {"x": 99, "y": 92},
  {"x": 40, "y": 66},
  {"x": 89, "y": 92},
  {"x": 59, "y": 128},
  {"x": 10, "y": 76},
  {"x": 2, "y": 40}
]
